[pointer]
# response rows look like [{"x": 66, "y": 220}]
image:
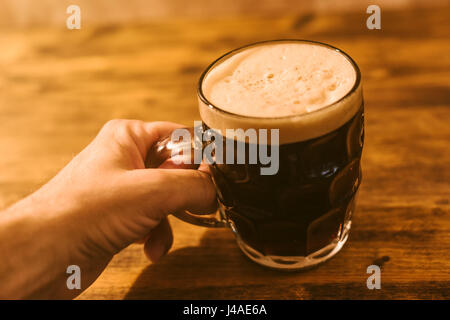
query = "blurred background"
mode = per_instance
[
  {"x": 141, "y": 59},
  {"x": 22, "y": 13}
]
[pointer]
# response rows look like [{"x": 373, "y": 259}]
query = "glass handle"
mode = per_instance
[
  {"x": 163, "y": 150},
  {"x": 211, "y": 220}
]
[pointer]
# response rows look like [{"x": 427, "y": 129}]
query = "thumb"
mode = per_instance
[
  {"x": 171, "y": 190},
  {"x": 190, "y": 189}
]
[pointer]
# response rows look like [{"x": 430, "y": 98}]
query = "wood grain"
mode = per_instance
[{"x": 57, "y": 88}]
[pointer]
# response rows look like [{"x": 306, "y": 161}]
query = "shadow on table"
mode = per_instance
[{"x": 215, "y": 269}]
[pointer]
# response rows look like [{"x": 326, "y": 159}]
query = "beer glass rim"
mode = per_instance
[{"x": 222, "y": 58}]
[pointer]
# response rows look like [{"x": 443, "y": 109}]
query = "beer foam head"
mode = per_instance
[{"x": 290, "y": 85}]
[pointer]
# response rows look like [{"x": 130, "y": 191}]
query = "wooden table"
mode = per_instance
[{"x": 57, "y": 88}]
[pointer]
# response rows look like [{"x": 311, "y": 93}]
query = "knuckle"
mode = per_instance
[
  {"x": 117, "y": 129},
  {"x": 113, "y": 124},
  {"x": 121, "y": 126}
]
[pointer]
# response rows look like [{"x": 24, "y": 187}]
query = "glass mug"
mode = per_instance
[{"x": 300, "y": 216}]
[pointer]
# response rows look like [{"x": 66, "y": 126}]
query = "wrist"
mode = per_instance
[{"x": 33, "y": 248}]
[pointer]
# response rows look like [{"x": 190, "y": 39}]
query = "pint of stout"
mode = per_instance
[{"x": 311, "y": 92}]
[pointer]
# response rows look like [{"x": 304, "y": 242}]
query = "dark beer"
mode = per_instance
[{"x": 307, "y": 204}]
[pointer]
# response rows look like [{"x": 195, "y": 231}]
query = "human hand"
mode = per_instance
[{"x": 102, "y": 201}]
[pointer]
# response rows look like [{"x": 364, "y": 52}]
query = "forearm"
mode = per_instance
[{"x": 33, "y": 252}]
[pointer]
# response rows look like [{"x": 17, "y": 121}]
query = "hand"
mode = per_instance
[{"x": 102, "y": 201}]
